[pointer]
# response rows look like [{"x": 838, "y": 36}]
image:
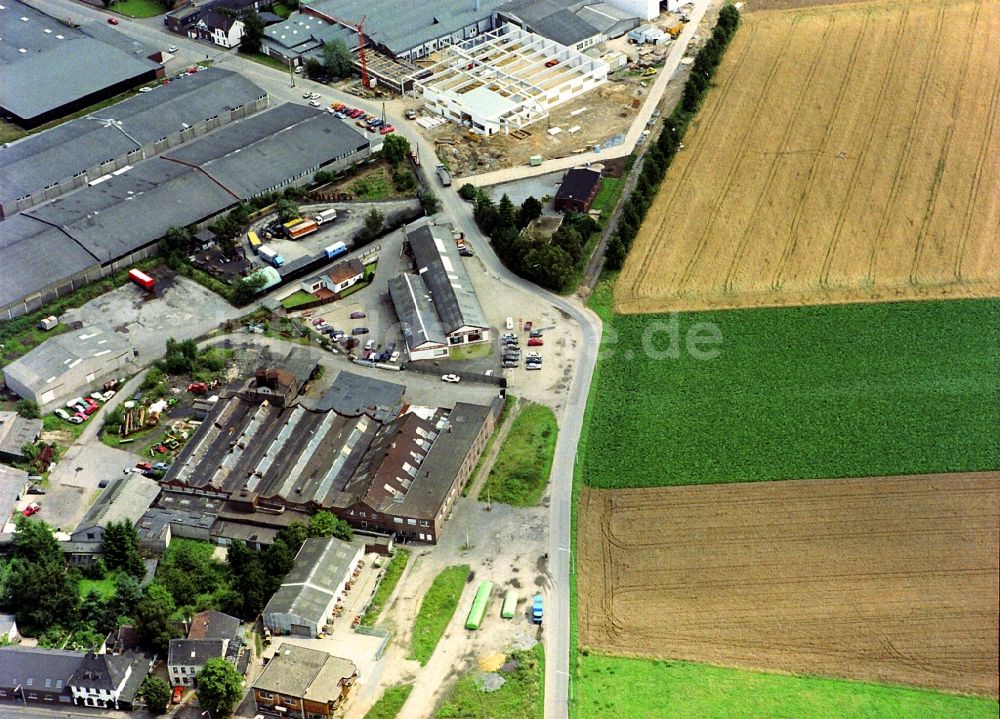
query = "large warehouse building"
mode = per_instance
[
  {"x": 39, "y": 168},
  {"x": 64, "y": 365},
  {"x": 507, "y": 79},
  {"x": 118, "y": 218},
  {"x": 50, "y": 69},
  {"x": 304, "y": 603}
]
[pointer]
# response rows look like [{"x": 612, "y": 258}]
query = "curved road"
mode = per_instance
[{"x": 282, "y": 87}]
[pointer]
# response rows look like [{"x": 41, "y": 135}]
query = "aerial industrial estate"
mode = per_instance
[{"x": 499, "y": 358}]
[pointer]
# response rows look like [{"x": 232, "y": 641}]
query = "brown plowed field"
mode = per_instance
[
  {"x": 891, "y": 579},
  {"x": 847, "y": 153}
]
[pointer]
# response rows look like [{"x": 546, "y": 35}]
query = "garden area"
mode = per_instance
[
  {"x": 390, "y": 703},
  {"x": 393, "y": 571},
  {"x": 138, "y": 8}
]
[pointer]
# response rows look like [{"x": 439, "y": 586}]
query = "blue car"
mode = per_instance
[{"x": 537, "y": 609}]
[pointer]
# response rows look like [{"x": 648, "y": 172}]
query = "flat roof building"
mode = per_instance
[
  {"x": 304, "y": 603},
  {"x": 38, "y": 167},
  {"x": 15, "y": 432},
  {"x": 65, "y": 365},
  {"x": 51, "y": 69}
]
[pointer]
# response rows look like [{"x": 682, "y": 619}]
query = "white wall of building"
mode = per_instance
[{"x": 646, "y": 9}]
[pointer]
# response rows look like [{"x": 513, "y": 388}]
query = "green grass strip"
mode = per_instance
[{"x": 436, "y": 609}]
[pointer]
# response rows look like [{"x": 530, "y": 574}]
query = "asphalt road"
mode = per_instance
[{"x": 285, "y": 88}]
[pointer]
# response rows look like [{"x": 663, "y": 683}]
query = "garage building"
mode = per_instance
[{"x": 304, "y": 602}]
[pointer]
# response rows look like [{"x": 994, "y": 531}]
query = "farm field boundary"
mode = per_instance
[
  {"x": 889, "y": 579},
  {"x": 847, "y": 154}
]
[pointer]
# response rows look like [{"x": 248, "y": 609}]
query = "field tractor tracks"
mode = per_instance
[{"x": 853, "y": 185}]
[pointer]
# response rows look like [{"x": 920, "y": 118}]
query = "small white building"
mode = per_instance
[
  {"x": 223, "y": 30},
  {"x": 346, "y": 274},
  {"x": 100, "y": 680}
]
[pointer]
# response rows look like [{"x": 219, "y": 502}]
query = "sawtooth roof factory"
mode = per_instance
[{"x": 398, "y": 476}]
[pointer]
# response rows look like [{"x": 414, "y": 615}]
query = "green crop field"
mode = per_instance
[
  {"x": 648, "y": 689},
  {"x": 829, "y": 391}
]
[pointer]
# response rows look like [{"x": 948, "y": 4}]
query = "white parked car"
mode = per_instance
[
  {"x": 450, "y": 378},
  {"x": 510, "y": 323},
  {"x": 172, "y": 49},
  {"x": 314, "y": 103},
  {"x": 395, "y": 357},
  {"x": 63, "y": 414}
]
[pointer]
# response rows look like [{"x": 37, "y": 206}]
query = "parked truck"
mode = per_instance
[
  {"x": 306, "y": 227},
  {"x": 270, "y": 256},
  {"x": 444, "y": 176},
  {"x": 325, "y": 216},
  {"x": 335, "y": 250},
  {"x": 675, "y": 29}
]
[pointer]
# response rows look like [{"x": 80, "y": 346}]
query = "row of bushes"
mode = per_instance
[{"x": 659, "y": 156}]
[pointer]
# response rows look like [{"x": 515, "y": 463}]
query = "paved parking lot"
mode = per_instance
[
  {"x": 350, "y": 220},
  {"x": 181, "y": 309}
]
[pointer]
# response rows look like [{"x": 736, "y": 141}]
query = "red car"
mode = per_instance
[
  {"x": 31, "y": 509},
  {"x": 386, "y": 130},
  {"x": 536, "y": 342},
  {"x": 178, "y": 693},
  {"x": 112, "y": 21},
  {"x": 197, "y": 388},
  {"x": 144, "y": 465}
]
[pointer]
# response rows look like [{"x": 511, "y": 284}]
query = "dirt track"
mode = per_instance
[
  {"x": 889, "y": 579},
  {"x": 846, "y": 154}
]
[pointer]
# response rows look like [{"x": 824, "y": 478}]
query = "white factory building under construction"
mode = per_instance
[{"x": 506, "y": 79}]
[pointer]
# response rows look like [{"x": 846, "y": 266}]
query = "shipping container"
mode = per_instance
[
  {"x": 303, "y": 228},
  {"x": 142, "y": 279},
  {"x": 254, "y": 241},
  {"x": 335, "y": 250}
]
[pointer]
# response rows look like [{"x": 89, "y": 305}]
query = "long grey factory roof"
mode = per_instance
[
  {"x": 53, "y": 356},
  {"x": 265, "y": 150},
  {"x": 441, "y": 267},
  {"x": 44, "y": 81},
  {"x": 415, "y": 311},
  {"x": 437, "y": 472},
  {"x": 321, "y": 566},
  {"x": 22, "y": 241},
  {"x": 604, "y": 16},
  {"x": 565, "y": 27},
  {"x": 136, "y": 207},
  {"x": 400, "y": 26},
  {"x": 29, "y": 34},
  {"x": 42, "y": 159}
]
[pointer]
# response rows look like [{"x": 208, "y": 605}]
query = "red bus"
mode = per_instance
[{"x": 142, "y": 279}]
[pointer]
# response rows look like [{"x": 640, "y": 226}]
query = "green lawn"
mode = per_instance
[
  {"x": 372, "y": 187},
  {"x": 648, "y": 689},
  {"x": 281, "y": 10},
  {"x": 10, "y": 132},
  {"x": 393, "y": 572},
  {"x": 834, "y": 391},
  {"x": 138, "y": 8},
  {"x": 436, "y": 609},
  {"x": 105, "y": 586},
  {"x": 298, "y": 298},
  {"x": 521, "y": 697},
  {"x": 476, "y": 351},
  {"x": 389, "y": 704},
  {"x": 507, "y": 407},
  {"x": 522, "y": 468},
  {"x": 608, "y": 196}
]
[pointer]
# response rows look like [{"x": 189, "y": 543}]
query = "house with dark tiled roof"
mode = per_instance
[
  {"x": 59, "y": 678},
  {"x": 210, "y": 635}
]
